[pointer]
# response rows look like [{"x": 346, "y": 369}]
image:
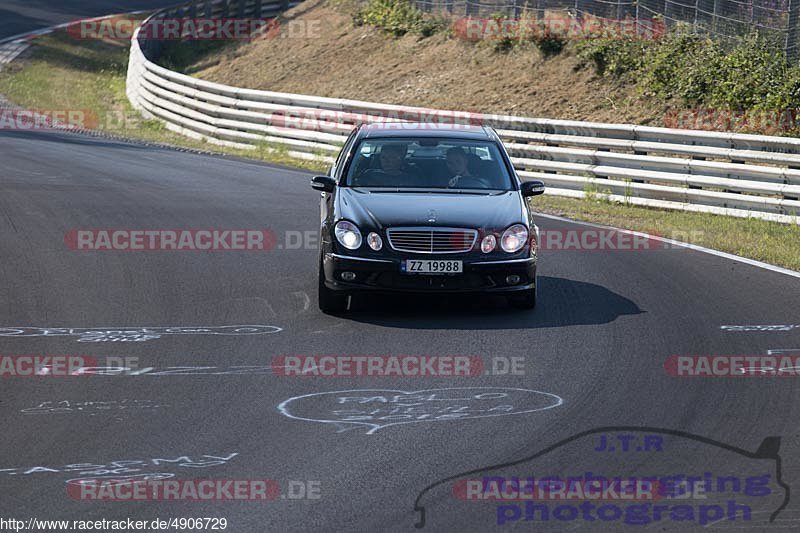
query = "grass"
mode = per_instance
[
  {"x": 61, "y": 73},
  {"x": 187, "y": 56},
  {"x": 64, "y": 73},
  {"x": 771, "y": 242}
]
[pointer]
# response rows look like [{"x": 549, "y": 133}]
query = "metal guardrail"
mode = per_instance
[{"x": 724, "y": 173}]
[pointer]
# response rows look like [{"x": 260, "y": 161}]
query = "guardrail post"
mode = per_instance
[
  {"x": 786, "y": 181},
  {"x": 638, "y": 152}
]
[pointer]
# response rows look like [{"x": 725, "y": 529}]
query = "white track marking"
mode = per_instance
[{"x": 751, "y": 262}]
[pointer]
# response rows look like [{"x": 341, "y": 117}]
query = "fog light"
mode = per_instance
[
  {"x": 348, "y": 276},
  {"x": 512, "y": 279}
]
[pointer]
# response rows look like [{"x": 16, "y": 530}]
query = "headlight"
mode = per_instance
[
  {"x": 488, "y": 244},
  {"x": 374, "y": 241},
  {"x": 514, "y": 238},
  {"x": 348, "y": 234}
]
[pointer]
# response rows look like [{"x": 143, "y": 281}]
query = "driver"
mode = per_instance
[{"x": 457, "y": 166}]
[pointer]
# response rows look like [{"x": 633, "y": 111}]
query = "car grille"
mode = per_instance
[{"x": 432, "y": 240}]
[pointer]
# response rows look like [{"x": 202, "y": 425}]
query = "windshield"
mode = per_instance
[{"x": 428, "y": 163}]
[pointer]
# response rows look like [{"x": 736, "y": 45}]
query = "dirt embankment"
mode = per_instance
[{"x": 338, "y": 59}]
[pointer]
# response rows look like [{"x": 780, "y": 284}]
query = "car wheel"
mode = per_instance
[
  {"x": 524, "y": 300},
  {"x": 329, "y": 301}
]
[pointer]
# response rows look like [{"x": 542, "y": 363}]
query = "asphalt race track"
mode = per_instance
[
  {"x": 19, "y": 16},
  {"x": 206, "y": 405}
]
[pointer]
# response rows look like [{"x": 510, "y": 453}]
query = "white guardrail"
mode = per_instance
[{"x": 724, "y": 173}]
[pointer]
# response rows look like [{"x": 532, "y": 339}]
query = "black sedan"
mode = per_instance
[{"x": 421, "y": 208}]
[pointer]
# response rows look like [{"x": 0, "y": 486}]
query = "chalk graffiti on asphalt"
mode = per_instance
[
  {"x": 92, "y": 408},
  {"x": 380, "y": 408},
  {"x": 124, "y": 467},
  {"x": 133, "y": 334}
]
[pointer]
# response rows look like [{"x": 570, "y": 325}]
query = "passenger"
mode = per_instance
[{"x": 457, "y": 165}]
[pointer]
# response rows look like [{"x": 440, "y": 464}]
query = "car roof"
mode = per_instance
[{"x": 424, "y": 129}]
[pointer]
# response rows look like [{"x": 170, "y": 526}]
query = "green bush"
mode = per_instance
[
  {"x": 754, "y": 75},
  {"x": 698, "y": 71},
  {"x": 788, "y": 96},
  {"x": 551, "y": 46},
  {"x": 613, "y": 57},
  {"x": 681, "y": 65},
  {"x": 398, "y": 17}
]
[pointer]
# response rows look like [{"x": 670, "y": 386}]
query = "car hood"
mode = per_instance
[{"x": 391, "y": 208}]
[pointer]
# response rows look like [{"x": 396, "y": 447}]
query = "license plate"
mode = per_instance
[{"x": 431, "y": 266}]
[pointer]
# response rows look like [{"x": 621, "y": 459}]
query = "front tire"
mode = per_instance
[
  {"x": 329, "y": 301},
  {"x": 525, "y": 300}
]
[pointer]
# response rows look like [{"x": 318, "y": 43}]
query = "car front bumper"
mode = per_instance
[{"x": 373, "y": 274}]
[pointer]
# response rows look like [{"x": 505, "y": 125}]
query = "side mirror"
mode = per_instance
[
  {"x": 323, "y": 183},
  {"x": 532, "y": 188}
]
